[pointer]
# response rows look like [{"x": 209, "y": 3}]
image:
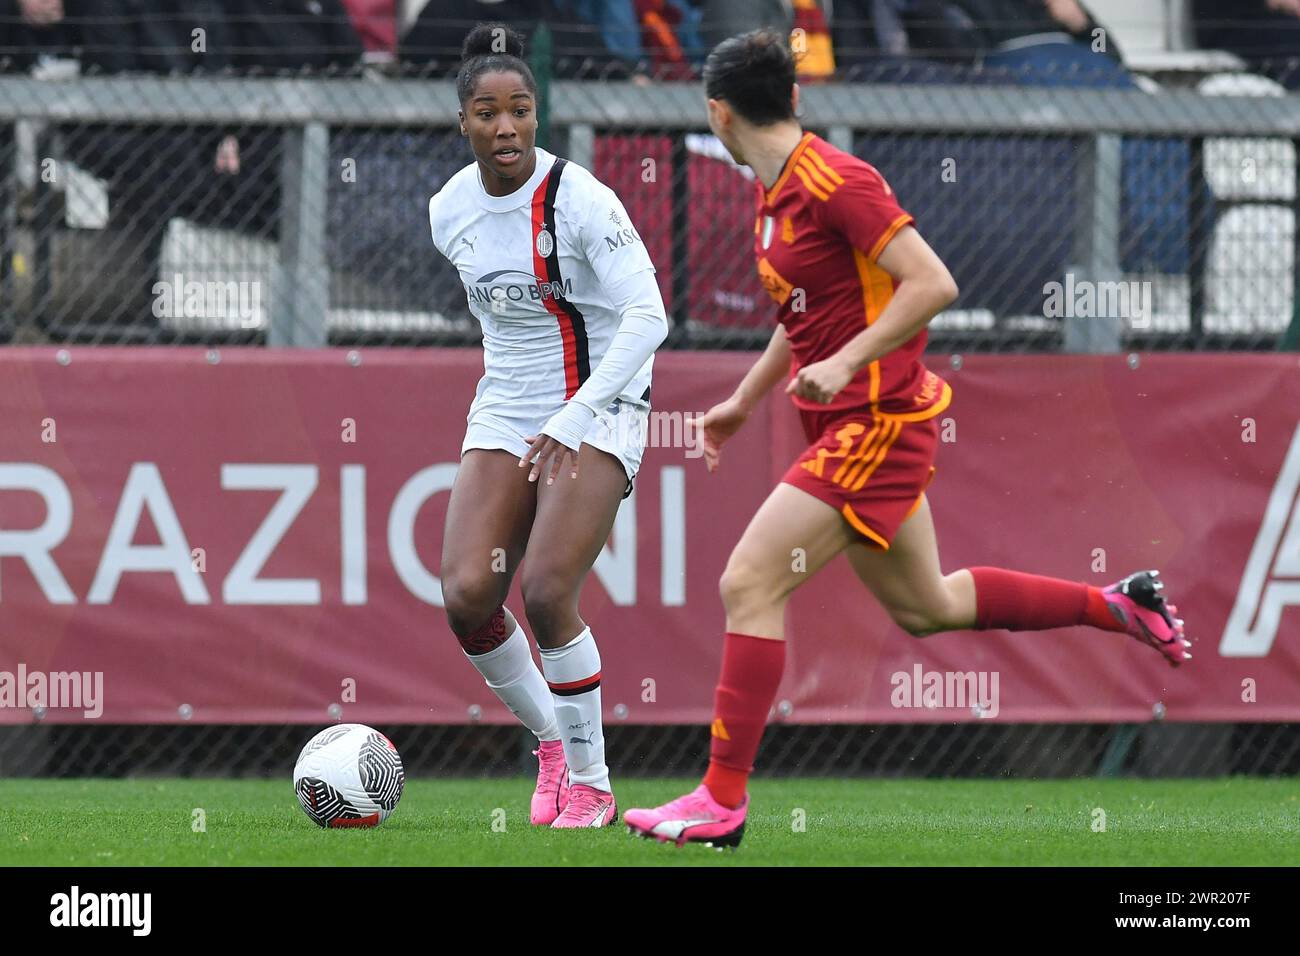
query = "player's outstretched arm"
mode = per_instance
[
  {"x": 772, "y": 367},
  {"x": 724, "y": 419}
]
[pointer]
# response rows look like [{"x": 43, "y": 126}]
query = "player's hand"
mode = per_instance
[
  {"x": 717, "y": 425},
  {"x": 1068, "y": 13},
  {"x": 821, "y": 381},
  {"x": 544, "y": 451}
]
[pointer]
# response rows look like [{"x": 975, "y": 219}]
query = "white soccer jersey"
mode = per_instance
[{"x": 535, "y": 265}]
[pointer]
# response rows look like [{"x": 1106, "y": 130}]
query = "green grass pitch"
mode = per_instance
[{"x": 1227, "y": 822}]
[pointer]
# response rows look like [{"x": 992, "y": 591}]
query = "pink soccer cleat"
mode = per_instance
[
  {"x": 693, "y": 818},
  {"x": 1137, "y": 604},
  {"x": 587, "y": 807},
  {"x": 552, "y": 783}
]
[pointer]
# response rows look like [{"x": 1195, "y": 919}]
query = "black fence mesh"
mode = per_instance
[
  {"x": 139, "y": 232},
  {"x": 916, "y": 750}
]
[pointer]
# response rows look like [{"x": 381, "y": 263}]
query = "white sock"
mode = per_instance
[
  {"x": 576, "y": 667},
  {"x": 510, "y": 672}
]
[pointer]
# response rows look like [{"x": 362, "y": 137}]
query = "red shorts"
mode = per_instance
[{"x": 870, "y": 467}]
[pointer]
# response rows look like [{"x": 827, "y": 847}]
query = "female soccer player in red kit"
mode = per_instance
[{"x": 856, "y": 286}]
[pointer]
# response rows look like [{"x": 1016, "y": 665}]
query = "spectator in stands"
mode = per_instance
[
  {"x": 21, "y": 24},
  {"x": 148, "y": 36},
  {"x": 290, "y": 36},
  {"x": 1060, "y": 43},
  {"x": 1264, "y": 33},
  {"x": 375, "y": 23},
  {"x": 811, "y": 39},
  {"x": 670, "y": 37},
  {"x": 721, "y": 19},
  {"x": 1040, "y": 33},
  {"x": 966, "y": 31},
  {"x": 872, "y": 32},
  {"x": 227, "y": 178},
  {"x": 27, "y": 28},
  {"x": 618, "y": 20},
  {"x": 658, "y": 20},
  {"x": 433, "y": 41}
]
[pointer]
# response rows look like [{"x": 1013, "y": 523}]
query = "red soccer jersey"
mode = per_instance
[{"x": 818, "y": 234}]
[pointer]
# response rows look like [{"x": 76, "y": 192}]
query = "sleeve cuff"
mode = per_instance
[{"x": 570, "y": 424}]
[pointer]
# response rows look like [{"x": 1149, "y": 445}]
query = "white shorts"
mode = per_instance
[{"x": 619, "y": 430}]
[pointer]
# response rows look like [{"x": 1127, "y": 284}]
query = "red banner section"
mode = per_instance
[{"x": 255, "y": 537}]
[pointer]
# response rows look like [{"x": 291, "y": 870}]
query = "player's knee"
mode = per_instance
[
  {"x": 740, "y": 586},
  {"x": 470, "y": 600},
  {"x": 549, "y": 600},
  {"x": 917, "y": 622}
]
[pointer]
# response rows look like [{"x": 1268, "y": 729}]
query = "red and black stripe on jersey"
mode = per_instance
[{"x": 573, "y": 327}]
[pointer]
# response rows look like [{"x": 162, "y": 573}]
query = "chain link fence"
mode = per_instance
[
  {"x": 293, "y": 211},
  {"x": 225, "y": 210},
  {"x": 982, "y": 749}
]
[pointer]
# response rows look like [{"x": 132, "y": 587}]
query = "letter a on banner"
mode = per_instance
[{"x": 1271, "y": 582}]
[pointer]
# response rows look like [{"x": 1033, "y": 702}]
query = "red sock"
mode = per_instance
[
  {"x": 751, "y": 673},
  {"x": 1015, "y": 601},
  {"x": 1097, "y": 613}
]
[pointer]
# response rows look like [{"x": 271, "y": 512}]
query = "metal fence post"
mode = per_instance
[
  {"x": 302, "y": 291},
  {"x": 841, "y": 137},
  {"x": 1096, "y": 241},
  {"x": 582, "y": 145},
  {"x": 541, "y": 62},
  {"x": 47, "y": 216},
  {"x": 1290, "y": 341},
  {"x": 1202, "y": 215},
  {"x": 681, "y": 240},
  {"x": 8, "y": 223}
]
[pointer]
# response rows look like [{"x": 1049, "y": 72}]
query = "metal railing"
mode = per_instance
[{"x": 1190, "y": 198}]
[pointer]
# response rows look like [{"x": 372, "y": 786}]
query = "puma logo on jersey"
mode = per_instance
[
  {"x": 1271, "y": 581},
  {"x": 469, "y": 242}
]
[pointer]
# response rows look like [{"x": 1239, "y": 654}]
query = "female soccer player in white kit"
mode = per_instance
[{"x": 571, "y": 316}]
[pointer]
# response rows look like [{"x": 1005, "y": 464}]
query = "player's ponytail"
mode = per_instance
[
  {"x": 753, "y": 73},
  {"x": 491, "y": 48}
]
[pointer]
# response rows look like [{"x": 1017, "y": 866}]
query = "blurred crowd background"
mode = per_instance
[
  {"x": 79, "y": 254},
  {"x": 646, "y": 39}
]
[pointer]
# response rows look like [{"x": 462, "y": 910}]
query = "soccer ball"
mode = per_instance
[{"x": 349, "y": 775}]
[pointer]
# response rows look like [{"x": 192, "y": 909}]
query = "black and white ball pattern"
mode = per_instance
[
  {"x": 382, "y": 776},
  {"x": 326, "y": 736},
  {"x": 349, "y": 776},
  {"x": 323, "y": 803}
]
